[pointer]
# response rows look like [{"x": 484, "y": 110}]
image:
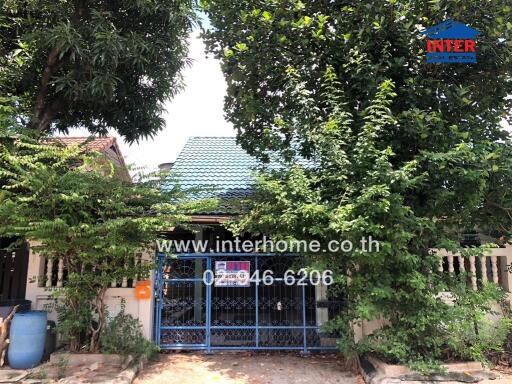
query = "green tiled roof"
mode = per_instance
[{"x": 217, "y": 164}]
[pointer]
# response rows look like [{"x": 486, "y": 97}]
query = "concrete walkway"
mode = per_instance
[{"x": 246, "y": 368}]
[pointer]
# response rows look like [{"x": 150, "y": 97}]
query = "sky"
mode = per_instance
[{"x": 196, "y": 111}]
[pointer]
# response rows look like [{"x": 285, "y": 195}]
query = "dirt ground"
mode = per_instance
[{"x": 246, "y": 368}]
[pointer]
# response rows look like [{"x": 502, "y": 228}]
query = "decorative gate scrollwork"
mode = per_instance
[{"x": 193, "y": 313}]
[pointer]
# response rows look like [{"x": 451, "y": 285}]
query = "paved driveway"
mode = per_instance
[{"x": 245, "y": 368}]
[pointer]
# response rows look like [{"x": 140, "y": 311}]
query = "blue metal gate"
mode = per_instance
[{"x": 192, "y": 313}]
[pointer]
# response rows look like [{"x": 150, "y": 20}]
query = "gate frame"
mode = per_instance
[{"x": 206, "y": 346}]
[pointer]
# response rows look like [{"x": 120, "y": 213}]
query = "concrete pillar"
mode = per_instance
[
  {"x": 357, "y": 328},
  {"x": 504, "y": 263},
  {"x": 147, "y": 307},
  {"x": 322, "y": 314},
  {"x": 35, "y": 274}
]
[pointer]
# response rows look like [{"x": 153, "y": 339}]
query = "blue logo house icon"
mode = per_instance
[{"x": 451, "y": 42}]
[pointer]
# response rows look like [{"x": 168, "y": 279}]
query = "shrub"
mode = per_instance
[
  {"x": 477, "y": 345},
  {"x": 123, "y": 335},
  {"x": 73, "y": 320},
  {"x": 462, "y": 329}
]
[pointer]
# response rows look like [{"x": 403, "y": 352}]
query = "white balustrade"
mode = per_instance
[
  {"x": 124, "y": 283},
  {"x": 54, "y": 275},
  {"x": 462, "y": 267},
  {"x": 450, "y": 264},
  {"x": 494, "y": 267},
  {"x": 481, "y": 268}
]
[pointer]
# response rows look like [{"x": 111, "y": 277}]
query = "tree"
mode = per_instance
[
  {"x": 410, "y": 153},
  {"x": 81, "y": 215},
  {"x": 365, "y": 43},
  {"x": 93, "y": 64}
]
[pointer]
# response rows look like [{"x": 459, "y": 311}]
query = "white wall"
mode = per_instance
[{"x": 41, "y": 296}]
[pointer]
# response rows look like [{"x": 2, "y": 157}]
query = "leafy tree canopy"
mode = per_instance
[
  {"x": 410, "y": 153},
  {"x": 365, "y": 43},
  {"x": 94, "y": 64}
]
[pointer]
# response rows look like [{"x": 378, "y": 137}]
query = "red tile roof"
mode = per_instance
[
  {"x": 91, "y": 144},
  {"x": 106, "y": 145}
]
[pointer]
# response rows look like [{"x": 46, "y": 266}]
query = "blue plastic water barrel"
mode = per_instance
[{"x": 27, "y": 338}]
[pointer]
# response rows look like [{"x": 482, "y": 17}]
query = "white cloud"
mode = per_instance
[{"x": 196, "y": 111}]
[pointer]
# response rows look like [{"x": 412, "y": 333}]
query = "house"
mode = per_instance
[
  {"x": 43, "y": 275},
  {"x": 13, "y": 265},
  {"x": 207, "y": 297},
  {"x": 106, "y": 146},
  {"x": 195, "y": 308},
  {"x": 193, "y": 311}
]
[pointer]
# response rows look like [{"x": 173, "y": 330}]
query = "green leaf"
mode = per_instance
[
  {"x": 267, "y": 16},
  {"x": 241, "y": 47}
]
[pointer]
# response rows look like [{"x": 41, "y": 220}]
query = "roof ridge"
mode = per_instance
[
  {"x": 83, "y": 137},
  {"x": 212, "y": 137},
  {"x": 101, "y": 143}
]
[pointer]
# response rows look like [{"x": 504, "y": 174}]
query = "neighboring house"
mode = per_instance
[
  {"x": 13, "y": 265},
  {"x": 190, "y": 310},
  {"x": 42, "y": 275},
  {"x": 106, "y": 146}
]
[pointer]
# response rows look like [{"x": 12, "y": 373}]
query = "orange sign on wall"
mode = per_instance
[{"x": 143, "y": 290}]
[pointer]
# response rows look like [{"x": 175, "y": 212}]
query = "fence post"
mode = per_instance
[
  {"x": 304, "y": 329},
  {"x": 504, "y": 263},
  {"x": 146, "y": 308},
  {"x": 322, "y": 314},
  {"x": 257, "y": 304},
  {"x": 198, "y": 285},
  {"x": 208, "y": 315}
]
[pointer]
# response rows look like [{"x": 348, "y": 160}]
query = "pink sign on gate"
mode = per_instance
[{"x": 232, "y": 273}]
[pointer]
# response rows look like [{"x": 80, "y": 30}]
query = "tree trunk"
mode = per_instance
[
  {"x": 74, "y": 304},
  {"x": 74, "y": 340},
  {"x": 96, "y": 331}
]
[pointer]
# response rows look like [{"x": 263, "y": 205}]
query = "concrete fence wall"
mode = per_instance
[
  {"x": 44, "y": 277},
  {"x": 491, "y": 267},
  {"x": 40, "y": 286}
]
